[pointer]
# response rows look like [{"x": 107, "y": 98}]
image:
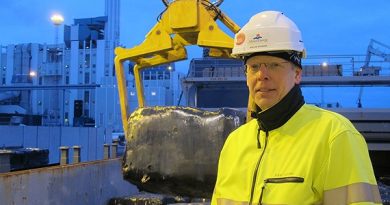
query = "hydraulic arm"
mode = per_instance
[
  {"x": 375, "y": 48},
  {"x": 184, "y": 22}
]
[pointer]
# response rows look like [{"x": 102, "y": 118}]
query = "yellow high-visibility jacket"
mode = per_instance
[{"x": 316, "y": 157}]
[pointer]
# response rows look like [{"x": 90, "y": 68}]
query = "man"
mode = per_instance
[{"x": 291, "y": 153}]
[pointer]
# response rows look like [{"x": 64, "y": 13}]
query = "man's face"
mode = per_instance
[{"x": 270, "y": 78}]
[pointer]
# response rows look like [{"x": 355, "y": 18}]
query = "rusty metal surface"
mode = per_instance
[
  {"x": 175, "y": 150},
  {"x": 84, "y": 183}
]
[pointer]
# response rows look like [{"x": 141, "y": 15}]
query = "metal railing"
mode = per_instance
[
  {"x": 210, "y": 72},
  {"x": 349, "y": 65},
  {"x": 316, "y": 65}
]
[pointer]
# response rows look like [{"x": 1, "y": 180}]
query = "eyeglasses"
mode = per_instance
[{"x": 271, "y": 66}]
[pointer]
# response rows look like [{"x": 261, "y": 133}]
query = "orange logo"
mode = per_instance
[{"x": 240, "y": 38}]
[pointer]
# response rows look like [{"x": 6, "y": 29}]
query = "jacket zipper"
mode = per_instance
[
  {"x": 279, "y": 181},
  {"x": 258, "y": 138},
  {"x": 258, "y": 165},
  {"x": 285, "y": 180}
]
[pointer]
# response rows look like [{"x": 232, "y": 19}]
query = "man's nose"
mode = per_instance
[{"x": 262, "y": 74}]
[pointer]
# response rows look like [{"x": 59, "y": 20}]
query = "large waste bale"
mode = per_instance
[
  {"x": 144, "y": 198},
  {"x": 175, "y": 150}
]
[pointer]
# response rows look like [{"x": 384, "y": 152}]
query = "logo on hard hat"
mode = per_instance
[
  {"x": 240, "y": 38},
  {"x": 257, "y": 37}
]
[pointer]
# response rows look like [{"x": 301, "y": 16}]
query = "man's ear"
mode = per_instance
[{"x": 298, "y": 75}]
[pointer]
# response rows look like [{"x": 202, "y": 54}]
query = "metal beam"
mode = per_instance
[
  {"x": 345, "y": 80},
  {"x": 325, "y": 81},
  {"x": 47, "y": 87}
]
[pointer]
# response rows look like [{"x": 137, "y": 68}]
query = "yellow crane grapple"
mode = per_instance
[
  {"x": 174, "y": 150},
  {"x": 184, "y": 22}
]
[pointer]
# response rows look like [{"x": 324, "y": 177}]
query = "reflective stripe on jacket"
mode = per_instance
[{"x": 316, "y": 157}]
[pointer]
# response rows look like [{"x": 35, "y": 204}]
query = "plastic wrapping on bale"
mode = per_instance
[
  {"x": 156, "y": 199},
  {"x": 175, "y": 150},
  {"x": 149, "y": 199}
]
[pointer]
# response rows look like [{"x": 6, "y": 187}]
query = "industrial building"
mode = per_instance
[{"x": 73, "y": 83}]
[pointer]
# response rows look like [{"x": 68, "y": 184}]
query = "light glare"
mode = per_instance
[
  {"x": 57, "y": 19},
  {"x": 33, "y": 74}
]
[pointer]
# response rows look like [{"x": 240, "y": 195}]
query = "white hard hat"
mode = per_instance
[{"x": 268, "y": 31}]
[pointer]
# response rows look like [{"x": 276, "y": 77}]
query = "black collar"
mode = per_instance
[{"x": 280, "y": 113}]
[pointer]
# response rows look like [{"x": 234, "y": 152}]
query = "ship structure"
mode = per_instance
[{"x": 61, "y": 127}]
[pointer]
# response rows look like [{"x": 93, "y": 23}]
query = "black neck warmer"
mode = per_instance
[{"x": 280, "y": 113}]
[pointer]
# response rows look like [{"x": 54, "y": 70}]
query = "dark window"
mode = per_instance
[
  {"x": 86, "y": 96},
  {"x": 86, "y": 113},
  {"x": 86, "y": 78},
  {"x": 54, "y": 56}
]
